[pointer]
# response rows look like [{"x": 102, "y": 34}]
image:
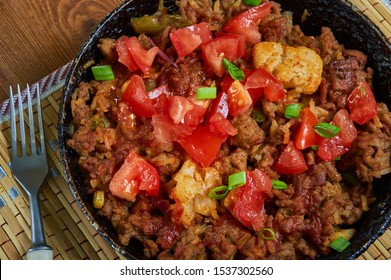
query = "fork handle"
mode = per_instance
[{"x": 39, "y": 248}]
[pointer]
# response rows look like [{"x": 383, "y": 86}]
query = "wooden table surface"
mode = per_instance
[{"x": 39, "y": 36}]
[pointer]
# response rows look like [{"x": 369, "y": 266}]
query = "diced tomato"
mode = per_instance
[
  {"x": 184, "y": 111},
  {"x": 362, "y": 104},
  {"x": 200, "y": 102},
  {"x": 215, "y": 50},
  {"x": 165, "y": 130},
  {"x": 187, "y": 39},
  {"x": 202, "y": 145},
  {"x": 260, "y": 78},
  {"x": 239, "y": 99},
  {"x": 330, "y": 149},
  {"x": 123, "y": 54},
  {"x": 132, "y": 54},
  {"x": 134, "y": 175},
  {"x": 219, "y": 104},
  {"x": 246, "y": 23},
  {"x": 137, "y": 97},
  {"x": 306, "y": 136},
  {"x": 226, "y": 82},
  {"x": 221, "y": 126},
  {"x": 242, "y": 47},
  {"x": 156, "y": 92},
  {"x": 144, "y": 58},
  {"x": 248, "y": 200},
  {"x": 291, "y": 161}
]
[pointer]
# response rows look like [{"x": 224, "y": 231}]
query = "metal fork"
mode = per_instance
[{"x": 30, "y": 170}]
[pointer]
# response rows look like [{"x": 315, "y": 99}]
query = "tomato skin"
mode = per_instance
[
  {"x": 202, "y": 145},
  {"x": 248, "y": 200},
  {"x": 306, "y": 136},
  {"x": 239, "y": 99},
  {"x": 362, "y": 104},
  {"x": 261, "y": 79},
  {"x": 184, "y": 111},
  {"x": 123, "y": 54},
  {"x": 144, "y": 58},
  {"x": 215, "y": 50},
  {"x": 291, "y": 161},
  {"x": 137, "y": 97},
  {"x": 221, "y": 126},
  {"x": 241, "y": 41},
  {"x": 166, "y": 130},
  {"x": 219, "y": 104},
  {"x": 330, "y": 149},
  {"x": 187, "y": 39},
  {"x": 134, "y": 55},
  {"x": 134, "y": 175},
  {"x": 246, "y": 23}
]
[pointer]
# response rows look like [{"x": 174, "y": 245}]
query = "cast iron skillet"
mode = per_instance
[{"x": 350, "y": 27}]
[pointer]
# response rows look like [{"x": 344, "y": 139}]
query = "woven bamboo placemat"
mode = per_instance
[{"x": 67, "y": 230}]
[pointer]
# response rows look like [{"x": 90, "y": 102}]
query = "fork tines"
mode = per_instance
[{"x": 14, "y": 142}]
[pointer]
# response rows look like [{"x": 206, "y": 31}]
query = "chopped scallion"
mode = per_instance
[
  {"x": 218, "y": 192},
  {"x": 233, "y": 70},
  {"x": 292, "y": 111},
  {"x": 340, "y": 244},
  {"x": 236, "y": 180},
  {"x": 326, "y": 130},
  {"x": 252, "y": 2},
  {"x": 267, "y": 233},
  {"x": 314, "y": 148},
  {"x": 102, "y": 72},
  {"x": 206, "y": 93},
  {"x": 279, "y": 185}
]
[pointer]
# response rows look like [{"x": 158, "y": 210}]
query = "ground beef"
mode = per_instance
[
  {"x": 249, "y": 133},
  {"x": 186, "y": 77},
  {"x": 303, "y": 216},
  {"x": 216, "y": 16},
  {"x": 106, "y": 47},
  {"x": 370, "y": 156},
  {"x": 223, "y": 236},
  {"x": 342, "y": 76},
  {"x": 276, "y": 26}
]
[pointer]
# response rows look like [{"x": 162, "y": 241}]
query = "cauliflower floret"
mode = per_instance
[
  {"x": 268, "y": 55},
  {"x": 191, "y": 191},
  {"x": 296, "y": 68}
]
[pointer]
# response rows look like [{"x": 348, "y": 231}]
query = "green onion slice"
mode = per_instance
[
  {"x": 267, "y": 233},
  {"x": 314, "y": 148},
  {"x": 236, "y": 180},
  {"x": 218, "y": 192},
  {"x": 206, "y": 93},
  {"x": 279, "y": 185},
  {"x": 258, "y": 115},
  {"x": 326, "y": 130},
  {"x": 233, "y": 70},
  {"x": 292, "y": 111},
  {"x": 251, "y": 2},
  {"x": 340, "y": 244},
  {"x": 102, "y": 72}
]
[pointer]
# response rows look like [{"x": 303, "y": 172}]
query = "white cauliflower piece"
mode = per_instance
[
  {"x": 268, "y": 55},
  {"x": 191, "y": 191},
  {"x": 297, "y": 68}
]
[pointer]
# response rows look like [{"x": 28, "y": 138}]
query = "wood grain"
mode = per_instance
[{"x": 39, "y": 36}]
